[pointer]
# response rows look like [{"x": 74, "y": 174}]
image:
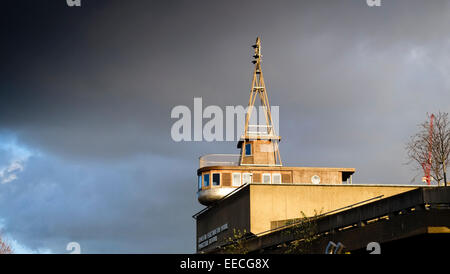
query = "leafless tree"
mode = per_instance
[
  {"x": 418, "y": 146},
  {"x": 5, "y": 248}
]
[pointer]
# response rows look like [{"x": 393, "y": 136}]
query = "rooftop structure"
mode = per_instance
[{"x": 259, "y": 160}]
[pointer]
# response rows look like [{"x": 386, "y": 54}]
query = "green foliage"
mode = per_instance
[
  {"x": 304, "y": 230},
  {"x": 236, "y": 243}
]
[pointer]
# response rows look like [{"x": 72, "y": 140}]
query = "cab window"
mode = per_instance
[{"x": 206, "y": 179}]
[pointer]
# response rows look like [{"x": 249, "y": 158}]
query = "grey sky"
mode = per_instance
[{"x": 86, "y": 95}]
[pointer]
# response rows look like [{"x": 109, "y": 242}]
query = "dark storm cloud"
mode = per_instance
[
  {"x": 54, "y": 203},
  {"x": 91, "y": 90}
]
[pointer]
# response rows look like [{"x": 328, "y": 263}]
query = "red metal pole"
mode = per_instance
[{"x": 430, "y": 147}]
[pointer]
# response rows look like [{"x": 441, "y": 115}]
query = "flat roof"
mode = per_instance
[{"x": 281, "y": 168}]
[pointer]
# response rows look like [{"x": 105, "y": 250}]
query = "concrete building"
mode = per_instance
[{"x": 254, "y": 194}]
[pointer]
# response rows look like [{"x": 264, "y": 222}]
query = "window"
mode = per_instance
[
  {"x": 216, "y": 179},
  {"x": 206, "y": 179},
  {"x": 315, "y": 179},
  {"x": 248, "y": 149},
  {"x": 199, "y": 182},
  {"x": 266, "y": 178},
  {"x": 236, "y": 179},
  {"x": 276, "y": 177},
  {"x": 246, "y": 178}
]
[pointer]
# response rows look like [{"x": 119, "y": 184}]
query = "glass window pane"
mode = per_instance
[
  {"x": 206, "y": 179},
  {"x": 247, "y": 178},
  {"x": 216, "y": 179},
  {"x": 276, "y": 178},
  {"x": 236, "y": 179},
  {"x": 266, "y": 178},
  {"x": 248, "y": 149},
  {"x": 199, "y": 182}
]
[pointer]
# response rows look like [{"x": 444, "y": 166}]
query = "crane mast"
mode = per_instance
[{"x": 427, "y": 165}]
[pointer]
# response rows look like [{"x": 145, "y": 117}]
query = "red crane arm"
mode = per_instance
[{"x": 427, "y": 165}]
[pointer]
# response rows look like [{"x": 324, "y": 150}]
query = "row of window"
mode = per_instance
[{"x": 238, "y": 179}]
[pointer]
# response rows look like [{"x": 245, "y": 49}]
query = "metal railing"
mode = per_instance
[
  {"x": 219, "y": 160},
  {"x": 259, "y": 130}
]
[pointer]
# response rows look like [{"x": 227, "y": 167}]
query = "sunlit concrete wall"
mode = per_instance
[
  {"x": 280, "y": 202},
  {"x": 254, "y": 207}
]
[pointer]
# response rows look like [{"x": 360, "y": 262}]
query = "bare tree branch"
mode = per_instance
[{"x": 418, "y": 146}]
